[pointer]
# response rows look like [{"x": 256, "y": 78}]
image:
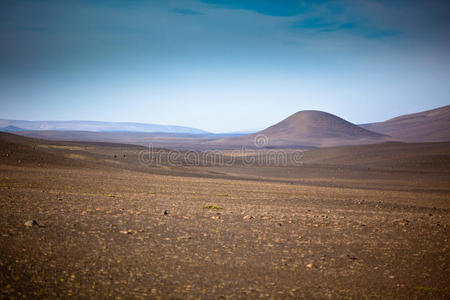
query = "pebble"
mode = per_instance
[{"x": 31, "y": 223}]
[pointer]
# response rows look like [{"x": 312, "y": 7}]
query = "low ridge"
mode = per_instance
[{"x": 427, "y": 126}]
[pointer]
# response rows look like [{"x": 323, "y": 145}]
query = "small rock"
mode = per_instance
[
  {"x": 31, "y": 223},
  {"x": 127, "y": 231},
  {"x": 166, "y": 212},
  {"x": 351, "y": 257},
  {"x": 401, "y": 222},
  {"x": 309, "y": 266}
]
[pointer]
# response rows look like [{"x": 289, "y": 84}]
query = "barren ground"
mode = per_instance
[{"x": 228, "y": 233}]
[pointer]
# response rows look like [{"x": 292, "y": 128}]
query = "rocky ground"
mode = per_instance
[{"x": 101, "y": 232}]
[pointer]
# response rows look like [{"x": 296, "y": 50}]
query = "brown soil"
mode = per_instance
[{"x": 108, "y": 226}]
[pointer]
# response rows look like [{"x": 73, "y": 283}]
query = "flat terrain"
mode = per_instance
[{"x": 352, "y": 222}]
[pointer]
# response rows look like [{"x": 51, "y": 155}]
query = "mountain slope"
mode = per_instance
[
  {"x": 98, "y": 126},
  {"x": 11, "y": 129},
  {"x": 308, "y": 129},
  {"x": 428, "y": 126}
]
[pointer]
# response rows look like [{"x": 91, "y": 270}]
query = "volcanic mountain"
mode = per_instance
[
  {"x": 307, "y": 128},
  {"x": 428, "y": 126}
]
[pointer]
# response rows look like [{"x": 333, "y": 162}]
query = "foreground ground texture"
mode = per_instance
[{"x": 105, "y": 231}]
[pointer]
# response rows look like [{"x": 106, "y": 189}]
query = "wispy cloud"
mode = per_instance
[
  {"x": 316, "y": 17},
  {"x": 357, "y": 27},
  {"x": 269, "y": 7},
  {"x": 185, "y": 12}
]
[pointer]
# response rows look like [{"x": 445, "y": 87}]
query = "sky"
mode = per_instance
[{"x": 222, "y": 65}]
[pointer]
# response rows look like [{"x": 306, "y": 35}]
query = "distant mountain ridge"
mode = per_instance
[
  {"x": 427, "y": 126},
  {"x": 98, "y": 126},
  {"x": 304, "y": 129},
  {"x": 11, "y": 129}
]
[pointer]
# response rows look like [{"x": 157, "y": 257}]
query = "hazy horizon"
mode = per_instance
[
  {"x": 222, "y": 65},
  {"x": 245, "y": 130}
]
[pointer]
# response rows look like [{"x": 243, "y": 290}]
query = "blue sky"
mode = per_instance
[{"x": 222, "y": 65}]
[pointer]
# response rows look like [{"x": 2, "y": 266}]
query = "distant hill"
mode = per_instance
[
  {"x": 304, "y": 129},
  {"x": 428, "y": 126},
  {"x": 98, "y": 126},
  {"x": 307, "y": 128},
  {"x": 11, "y": 129}
]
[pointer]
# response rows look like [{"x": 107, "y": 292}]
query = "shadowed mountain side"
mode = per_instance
[
  {"x": 428, "y": 126},
  {"x": 306, "y": 129},
  {"x": 22, "y": 151}
]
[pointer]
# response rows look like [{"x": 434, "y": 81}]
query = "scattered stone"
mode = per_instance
[
  {"x": 166, "y": 212},
  {"x": 127, "y": 231},
  {"x": 401, "y": 222},
  {"x": 309, "y": 266},
  {"x": 247, "y": 217},
  {"x": 184, "y": 237},
  {"x": 31, "y": 223},
  {"x": 351, "y": 257}
]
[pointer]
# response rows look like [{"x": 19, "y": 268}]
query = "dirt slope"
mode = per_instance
[
  {"x": 428, "y": 126},
  {"x": 308, "y": 129}
]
